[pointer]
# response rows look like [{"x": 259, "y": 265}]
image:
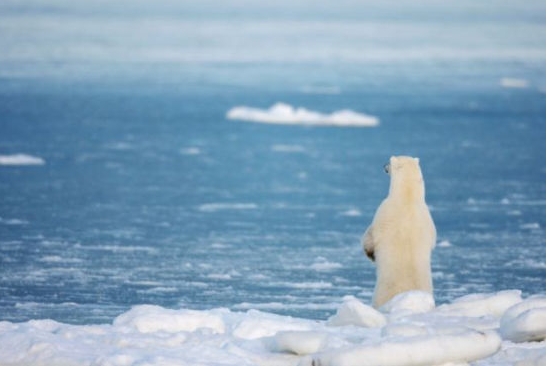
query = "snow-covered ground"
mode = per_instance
[{"x": 480, "y": 329}]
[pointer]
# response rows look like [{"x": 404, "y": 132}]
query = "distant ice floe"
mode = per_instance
[
  {"x": 322, "y": 264},
  {"x": 192, "y": 150},
  {"x": 214, "y": 207},
  {"x": 13, "y": 221},
  {"x": 515, "y": 83},
  {"x": 444, "y": 244},
  {"x": 482, "y": 329},
  {"x": 281, "y": 148},
  {"x": 351, "y": 212},
  {"x": 285, "y": 114},
  {"x": 21, "y": 160}
]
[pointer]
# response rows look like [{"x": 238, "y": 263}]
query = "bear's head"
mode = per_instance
[{"x": 405, "y": 177}]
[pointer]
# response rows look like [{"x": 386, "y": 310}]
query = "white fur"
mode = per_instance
[{"x": 402, "y": 235}]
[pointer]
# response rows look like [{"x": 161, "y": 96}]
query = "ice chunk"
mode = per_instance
[
  {"x": 434, "y": 349},
  {"x": 300, "y": 342},
  {"x": 514, "y": 83},
  {"x": 21, "y": 159},
  {"x": 322, "y": 264},
  {"x": 444, "y": 244},
  {"x": 151, "y": 318},
  {"x": 525, "y": 321},
  {"x": 410, "y": 302},
  {"x": 288, "y": 148},
  {"x": 517, "y": 354},
  {"x": 352, "y": 212},
  {"x": 354, "y": 312},
  {"x": 192, "y": 150},
  {"x": 257, "y": 324},
  {"x": 483, "y": 304},
  {"x": 221, "y": 206},
  {"x": 281, "y": 113}
]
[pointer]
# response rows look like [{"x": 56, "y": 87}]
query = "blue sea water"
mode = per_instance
[{"x": 149, "y": 195}]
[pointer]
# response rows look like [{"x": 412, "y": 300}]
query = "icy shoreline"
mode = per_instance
[{"x": 484, "y": 329}]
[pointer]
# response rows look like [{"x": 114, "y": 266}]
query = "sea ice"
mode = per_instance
[
  {"x": 434, "y": 349},
  {"x": 484, "y": 304},
  {"x": 525, "y": 321},
  {"x": 300, "y": 342},
  {"x": 21, "y": 159},
  {"x": 281, "y": 113},
  {"x": 354, "y": 312},
  {"x": 214, "y": 207},
  {"x": 410, "y": 302},
  {"x": 468, "y": 330},
  {"x": 507, "y": 82},
  {"x": 151, "y": 319}
]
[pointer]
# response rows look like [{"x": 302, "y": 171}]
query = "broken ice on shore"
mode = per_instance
[{"x": 478, "y": 329}]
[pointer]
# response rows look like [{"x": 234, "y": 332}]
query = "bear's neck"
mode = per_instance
[{"x": 407, "y": 191}]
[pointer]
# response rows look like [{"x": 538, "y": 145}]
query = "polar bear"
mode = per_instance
[{"x": 402, "y": 235}]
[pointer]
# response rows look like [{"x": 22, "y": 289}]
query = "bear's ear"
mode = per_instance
[{"x": 416, "y": 160}]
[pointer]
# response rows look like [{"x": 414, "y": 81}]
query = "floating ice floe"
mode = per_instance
[
  {"x": 192, "y": 150},
  {"x": 444, "y": 244},
  {"x": 20, "y": 160},
  {"x": 288, "y": 148},
  {"x": 221, "y": 206},
  {"x": 514, "y": 83},
  {"x": 482, "y": 329},
  {"x": 351, "y": 212},
  {"x": 281, "y": 113}
]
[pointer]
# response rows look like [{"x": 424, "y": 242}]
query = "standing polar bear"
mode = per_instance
[{"x": 402, "y": 234}]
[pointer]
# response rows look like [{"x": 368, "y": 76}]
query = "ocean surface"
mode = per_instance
[{"x": 123, "y": 182}]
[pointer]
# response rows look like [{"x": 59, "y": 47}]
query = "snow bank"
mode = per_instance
[
  {"x": 281, "y": 113},
  {"x": 21, "y": 159},
  {"x": 467, "y": 330}
]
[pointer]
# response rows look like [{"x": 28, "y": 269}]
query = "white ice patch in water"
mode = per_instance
[
  {"x": 444, "y": 244},
  {"x": 322, "y": 264},
  {"x": 13, "y": 221},
  {"x": 190, "y": 151},
  {"x": 287, "y": 148},
  {"x": 214, "y": 207},
  {"x": 351, "y": 212},
  {"x": 281, "y": 113},
  {"x": 21, "y": 160},
  {"x": 515, "y": 83}
]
